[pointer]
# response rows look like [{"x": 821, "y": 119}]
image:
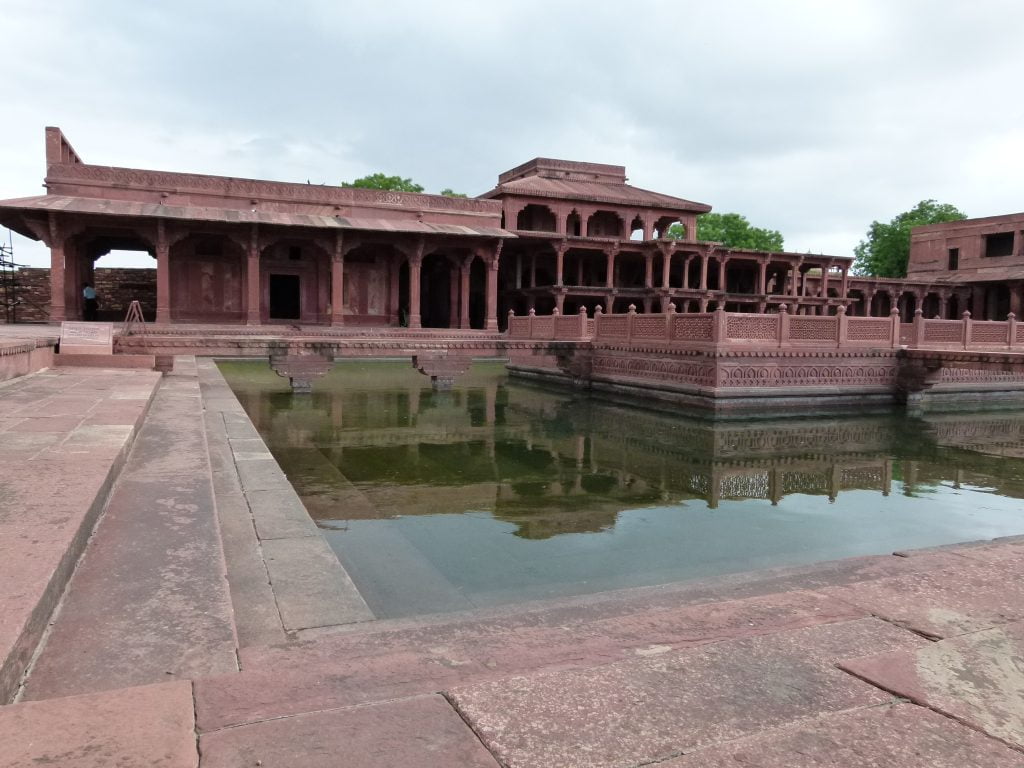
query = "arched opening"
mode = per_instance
[
  {"x": 536, "y": 218},
  {"x": 574, "y": 225},
  {"x": 604, "y": 224},
  {"x": 662, "y": 226},
  {"x": 636, "y": 229},
  {"x": 436, "y": 291},
  {"x": 881, "y": 304},
  {"x": 907, "y": 304},
  {"x": 120, "y": 268},
  {"x": 930, "y": 305},
  {"x": 953, "y": 310},
  {"x": 997, "y": 302},
  {"x": 856, "y": 305},
  {"x": 478, "y": 294}
]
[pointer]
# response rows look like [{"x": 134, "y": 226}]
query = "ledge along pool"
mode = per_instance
[{"x": 498, "y": 491}]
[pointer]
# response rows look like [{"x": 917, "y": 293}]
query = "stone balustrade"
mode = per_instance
[{"x": 779, "y": 330}]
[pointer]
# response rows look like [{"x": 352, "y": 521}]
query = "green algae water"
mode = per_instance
[{"x": 499, "y": 491}]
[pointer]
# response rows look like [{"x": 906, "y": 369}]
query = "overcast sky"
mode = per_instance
[{"x": 813, "y": 118}]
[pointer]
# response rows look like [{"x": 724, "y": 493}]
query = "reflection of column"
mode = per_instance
[
  {"x": 467, "y": 266},
  {"x": 490, "y": 402},
  {"x": 909, "y": 477},
  {"x": 252, "y": 279},
  {"x": 714, "y": 491},
  {"x": 886, "y": 477},
  {"x": 337, "y": 281},
  {"x": 834, "y": 479},
  {"x": 163, "y": 274},
  {"x": 57, "y": 287},
  {"x": 775, "y": 486}
]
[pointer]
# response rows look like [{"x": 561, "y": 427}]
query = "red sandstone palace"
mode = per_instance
[{"x": 552, "y": 235}]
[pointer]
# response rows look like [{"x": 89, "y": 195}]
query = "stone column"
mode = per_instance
[
  {"x": 943, "y": 304},
  {"x": 252, "y": 278},
  {"x": 794, "y": 287},
  {"x": 845, "y": 284},
  {"x": 559, "y": 263},
  {"x": 722, "y": 263},
  {"x": 492, "y": 289},
  {"x": 467, "y": 266},
  {"x": 579, "y": 270},
  {"x": 704, "y": 272},
  {"x": 533, "y": 270},
  {"x": 610, "y": 267},
  {"x": 58, "y": 311},
  {"x": 686, "y": 271},
  {"x": 648, "y": 270},
  {"x": 823, "y": 290},
  {"x": 666, "y": 267},
  {"x": 163, "y": 274},
  {"x": 519, "y": 270},
  {"x": 559, "y": 302},
  {"x": 762, "y": 276},
  {"x": 338, "y": 281},
  {"x": 1015, "y": 299},
  {"x": 415, "y": 265}
]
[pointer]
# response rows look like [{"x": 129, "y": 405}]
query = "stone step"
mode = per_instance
[{"x": 149, "y": 601}]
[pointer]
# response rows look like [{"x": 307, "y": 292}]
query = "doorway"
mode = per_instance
[{"x": 284, "y": 297}]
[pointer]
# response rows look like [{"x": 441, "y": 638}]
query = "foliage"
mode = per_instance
[
  {"x": 382, "y": 181},
  {"x": 732, "y": 230},
  {"x": 449, "y": 192},
  {"x": 887, "y": 248}
]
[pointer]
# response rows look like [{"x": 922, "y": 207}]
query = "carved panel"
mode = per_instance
[
  {"x": 812, "y": 328},
  {"x": 692, "y": 328},
  {"x": 808, "y": 375},
  {"x": 944, "y": 331},
  {"x": 989, "y": 332},
  {"x": 760, "y": 327},
  {"x": 519, "y": 327},
  {"x": 649, "y": 327},
  {"x": 611, "y": 327},
  {"x": 869, "y": 329},
  {"x": 543, "y": 327}
]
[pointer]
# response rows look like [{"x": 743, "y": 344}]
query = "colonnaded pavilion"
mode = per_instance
[{"x": 552, "y": 235}]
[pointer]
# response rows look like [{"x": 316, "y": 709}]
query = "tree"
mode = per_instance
[
  {"x": 887, "y": 248},
  {"x": 449, "y": 192},
  {"x": 381, "y": 181},
  {"x": 732, "y": 230}
]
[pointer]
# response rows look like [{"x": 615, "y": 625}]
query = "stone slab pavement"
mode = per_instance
[
  {"x": 149, "y": 601},
  {"x": 64, "y": 435}
]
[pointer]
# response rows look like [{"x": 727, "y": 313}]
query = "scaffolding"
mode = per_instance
[{"x": 10, "y": 296}]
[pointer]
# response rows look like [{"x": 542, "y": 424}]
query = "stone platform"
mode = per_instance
[{"x": 201, "y": 628}]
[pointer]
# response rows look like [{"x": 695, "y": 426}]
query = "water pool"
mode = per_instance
[{"x": 499, "y": 491}]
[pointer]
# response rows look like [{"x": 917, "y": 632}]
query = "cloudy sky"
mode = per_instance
[{"x": 813, "y": 118}]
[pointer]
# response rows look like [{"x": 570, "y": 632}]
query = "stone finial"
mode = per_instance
[
  {"x": 598, "y": 310},
  {"x": 783, "y": 308},
  {"x": 894, "y": 312},
  {"x": 671, "y": 308},
  {"x": 532, "y": 312},
  {"x": 1011, "y": 316},
  {"x": 966, "y": 315},
  {"x": 632, "y": 309},
  {"x": 918, "y": 312},
  {"x": 555, "y": 311},
  {"x": 511, "y": 313},
  {"x": 583, "y": 311},
  {"x": 841, "y": 309}
]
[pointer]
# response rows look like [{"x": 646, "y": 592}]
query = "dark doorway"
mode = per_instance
[{"x": 284, "y": 297}]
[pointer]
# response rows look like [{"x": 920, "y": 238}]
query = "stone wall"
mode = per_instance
[{"x": 115, "y": 287}]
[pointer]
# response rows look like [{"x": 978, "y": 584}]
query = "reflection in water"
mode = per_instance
[{"x": 411, "y": 483}]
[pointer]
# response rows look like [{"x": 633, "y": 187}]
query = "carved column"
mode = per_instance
[
  {"x": 722, "y": 262},
  {"x": 559, "y": 302},
  {"x": 666, "y": 267},
  {"x": 610, "y": 267},
  {"x": 338, "y": 280},
  {"x": 163, "y": 274},
  {"x": 762, "y": 276},
  {"x": 519, "y": 270},
  {"x": 823, "y": 291},
  {"x": 559, "y": 263},
  {"x": 252, "y": 278},
  {"x": 648, "y": 270},
  {"x": 492, "y": 288},
  {"x": 943, "y": 304},
  {"x": 415, "y": 265},
  {"x": 686, "y": 271},
  {"x": 467, "y": 266},
  {"x": 794, "y": 287},
  {"x": 704, "y": 271},
  {"x": 844, "y": 286},
  {"x": 58, "y": 312}
]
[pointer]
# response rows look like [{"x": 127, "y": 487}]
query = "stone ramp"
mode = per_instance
[
  {"x": 149, "y": 601},
  {"x": 64, "y": 435}
]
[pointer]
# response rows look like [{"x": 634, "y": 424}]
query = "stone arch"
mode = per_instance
[
  {"x": 604, "y": 224},
  {"x": 536, "y": 218}
]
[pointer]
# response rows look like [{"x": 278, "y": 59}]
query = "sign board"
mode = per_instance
[{"x": 87, "y": 338}]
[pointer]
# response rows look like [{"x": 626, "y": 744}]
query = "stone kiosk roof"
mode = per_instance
[{"x": 594, "y": 182}]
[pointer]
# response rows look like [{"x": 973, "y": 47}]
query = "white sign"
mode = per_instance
[{"x": 87, "y": 338}]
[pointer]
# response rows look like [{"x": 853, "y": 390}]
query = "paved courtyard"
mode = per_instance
[{"x": 207, "y": 623}]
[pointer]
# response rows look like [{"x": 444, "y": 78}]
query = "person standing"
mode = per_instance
[{"x": 91, "y": 304}]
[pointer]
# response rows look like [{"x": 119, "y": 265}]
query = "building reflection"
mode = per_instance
[{"x": 377, "y": 442}]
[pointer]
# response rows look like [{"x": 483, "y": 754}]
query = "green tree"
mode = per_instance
[
  {"x": 885, "y": 251},
  {"x": 382, "y": 181},
  {"x": 449, "y": 192},
  {"x": 733, "y": 230}
]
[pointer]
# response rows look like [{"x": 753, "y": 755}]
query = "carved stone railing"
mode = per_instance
[{"x": 781, "y": 330}]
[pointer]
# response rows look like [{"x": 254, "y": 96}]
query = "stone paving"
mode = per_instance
[{"x": 201, "y": 628}]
